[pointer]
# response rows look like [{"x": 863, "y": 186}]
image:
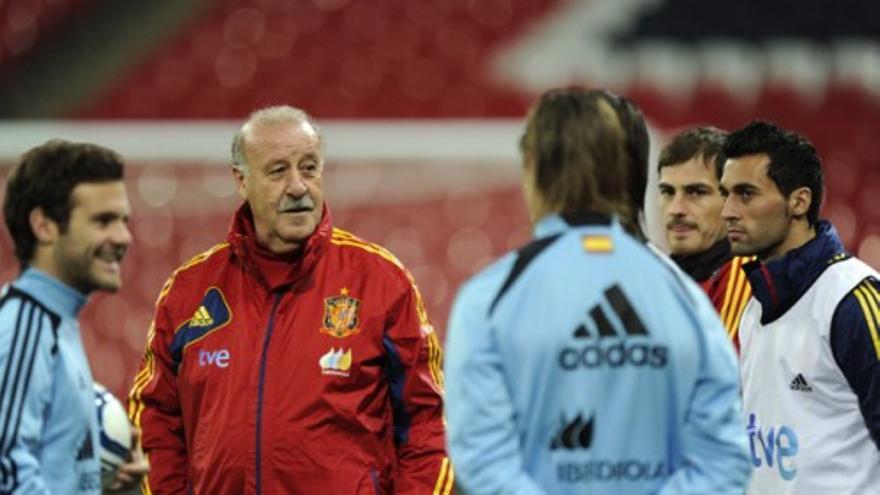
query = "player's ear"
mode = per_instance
[
  {"x": 799, "y": 201},
  {"x": 239, "y": 175},
  {"x": 44, "y": 228}
]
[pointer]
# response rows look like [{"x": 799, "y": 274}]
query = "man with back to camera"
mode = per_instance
[
  {"x": 690, "y": 167},
  {"x": 294, "y": 357},
  {"x": 67, "y": 210},
  {"x": 584, "y": 362},
  {"x": 810, "y": 347}
]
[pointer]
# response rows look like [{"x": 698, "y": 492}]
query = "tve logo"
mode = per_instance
[
  {"x": 219, "y": 358},
  {"x": 776, "y": 446}
]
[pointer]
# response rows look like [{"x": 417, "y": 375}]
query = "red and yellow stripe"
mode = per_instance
[
  {"x": 343, "y": 238},
  {"x": 736, "y": 294},
  {"x": 147, "y": 371},
  {"x": 869, "y": 301},
  {"x": 148, "y": 366},
  {"x": 435, "y": 353},
  {"x": 446, "y": 479},
  {"x": 195, "y": 260},
  {"x": 435, "y": 360},
  {"x": 145, "y": 481}
]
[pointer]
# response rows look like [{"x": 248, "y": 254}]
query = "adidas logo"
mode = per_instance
[
  {"x": 201, "y": 318},
  {"x": 800, "y": 384},
  {"x": 623, "y": 309},
  {"x": 607, "y": 341}
]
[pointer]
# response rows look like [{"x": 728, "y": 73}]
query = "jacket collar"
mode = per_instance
[
  {"x": 275, "y": 271},
  {"x": 555, "y": 224},
  {"x": 779, "y": 283},
  {"x": 703, "y": 265},
  {"x": 56, "y": 295}
]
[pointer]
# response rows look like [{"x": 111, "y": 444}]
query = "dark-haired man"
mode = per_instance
[
  {"x": 690, "y": 167},
  {"x": 67, "y": 211},
  {"x": 810, "y": 347}
]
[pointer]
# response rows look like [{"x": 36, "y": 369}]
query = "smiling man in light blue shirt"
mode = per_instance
[{"x": 67, "y": 210}]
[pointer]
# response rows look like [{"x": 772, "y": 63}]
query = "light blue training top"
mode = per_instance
[
  {"x": 48, "y": 421},
  {"x": 586, "y": 362}
]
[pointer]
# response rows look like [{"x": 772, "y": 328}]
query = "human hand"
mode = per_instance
[{"x": 130, "y": 474}]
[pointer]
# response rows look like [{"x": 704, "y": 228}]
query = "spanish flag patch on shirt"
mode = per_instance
[{"x": 597, "y": 243}]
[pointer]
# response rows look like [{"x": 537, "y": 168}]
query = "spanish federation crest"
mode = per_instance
[{"x": 341, "y": 315}]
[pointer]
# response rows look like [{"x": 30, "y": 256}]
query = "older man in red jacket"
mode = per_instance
[{"x": 294, "y": 357}]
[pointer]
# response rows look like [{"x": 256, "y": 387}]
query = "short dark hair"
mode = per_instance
[
  {"x": 794, "y": 162},
  {"x": 706, "y": 143},
  {"x": 590, "y": 151},
  {"x": 45, "y": 178}
]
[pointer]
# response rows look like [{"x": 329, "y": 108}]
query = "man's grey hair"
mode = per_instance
[{"x": 269, "y": 115}]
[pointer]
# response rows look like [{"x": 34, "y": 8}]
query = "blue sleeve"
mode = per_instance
[
  {"x": 25, "y": 385},
  {"x": 481, "y": 432},
  {"x": 855, "y": 343},
  {"x": 714, "y": 440}
]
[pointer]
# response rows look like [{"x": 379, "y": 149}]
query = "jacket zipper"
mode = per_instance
[
  {"x": 375, "y": 476},
  {"x": 268, "y": 336}
]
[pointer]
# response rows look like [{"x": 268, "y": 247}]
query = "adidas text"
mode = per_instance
[{"x": 613, "y": 356}]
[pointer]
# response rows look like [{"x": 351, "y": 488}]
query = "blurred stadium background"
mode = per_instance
[{"x": 422, "y": 102}]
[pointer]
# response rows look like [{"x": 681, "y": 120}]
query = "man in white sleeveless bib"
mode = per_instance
[{"x": 810, "y": 359}]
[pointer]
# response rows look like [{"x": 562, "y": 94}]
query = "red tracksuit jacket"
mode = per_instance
[
  {"x": 730, "y": 291},
  {"x": 315, "y": 375}
]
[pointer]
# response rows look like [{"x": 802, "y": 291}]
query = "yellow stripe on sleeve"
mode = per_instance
[
  {"x": 873, "y": 302},
  {"x": 435, "y": 359},
  {"x": 145, "y": 375},
  {"x": 743, "y": 293},
  {"x": 728, "y": 292},
  {"x": 870, "y": 287},
  {"x": 139, "y": 382},
  {"x": 145, "y": 481},
  {"x": 732, "y": 293},
  {"x": 450, "y": 480},
  {"x": 346, "y": 239},
  {"x": 435, "y": 351},
  {"x": 145, "y": 371},
  {"x": 872, "y": 314},
  {"x": 737, "y": 295},
  {"x": 440, "y": 485},
  {"x": 136, "y": 404},
  {"x": 195, "y": 260},
  {"x": 747, "y": 294}
]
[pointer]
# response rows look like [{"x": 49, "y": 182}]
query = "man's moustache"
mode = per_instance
[{"x": 288, "y": 204}]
